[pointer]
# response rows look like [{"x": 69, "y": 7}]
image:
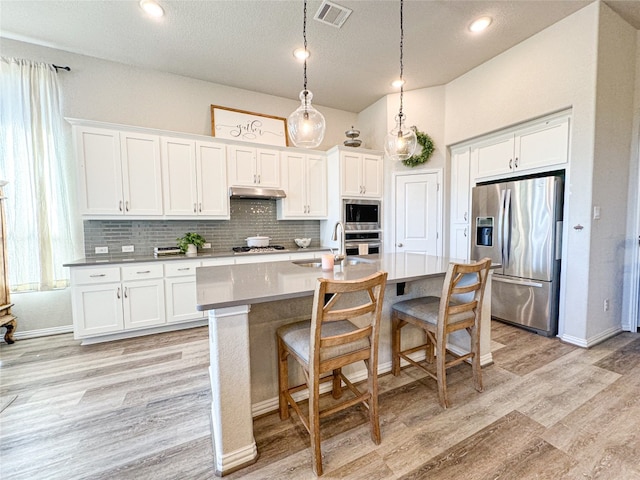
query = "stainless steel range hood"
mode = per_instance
[{"x": 256, "y": 192}]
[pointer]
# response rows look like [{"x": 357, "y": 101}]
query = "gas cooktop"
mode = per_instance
[{"x": 270, "y": 248}]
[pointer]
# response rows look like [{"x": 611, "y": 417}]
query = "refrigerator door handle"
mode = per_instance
[
  {"x": 501, "y": 225},
  {"x": 524, "y": 283},
  {"x": 506, "y": 228}
]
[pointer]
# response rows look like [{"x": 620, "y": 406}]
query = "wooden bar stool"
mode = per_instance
[
  {"x": 458, "y": 308},
  {"x": 344, "y": 329}
]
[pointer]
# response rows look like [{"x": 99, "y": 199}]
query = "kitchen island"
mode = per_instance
[{"x": 246, "y": 305}]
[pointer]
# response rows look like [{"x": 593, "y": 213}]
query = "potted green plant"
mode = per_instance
[{"x": 190, "y": 242}]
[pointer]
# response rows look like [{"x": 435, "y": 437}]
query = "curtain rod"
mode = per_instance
[{"x": 63, "y": 68}]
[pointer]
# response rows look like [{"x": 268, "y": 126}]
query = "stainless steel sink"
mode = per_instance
[{"x": 318, "y": 263}]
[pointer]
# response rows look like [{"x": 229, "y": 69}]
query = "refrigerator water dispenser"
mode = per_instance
[{"x": 484, "y": 231}]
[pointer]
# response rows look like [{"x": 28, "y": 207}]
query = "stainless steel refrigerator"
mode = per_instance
[{"x": 519, "y": 224}]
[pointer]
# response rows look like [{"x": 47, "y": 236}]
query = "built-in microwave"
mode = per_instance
[{"x": 360, "y": 214}]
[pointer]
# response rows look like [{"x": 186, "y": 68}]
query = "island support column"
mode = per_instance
[{"x": 234, "y": 446}]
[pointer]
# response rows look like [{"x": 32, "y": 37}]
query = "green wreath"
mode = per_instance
[{"x": 427, "y": 149}]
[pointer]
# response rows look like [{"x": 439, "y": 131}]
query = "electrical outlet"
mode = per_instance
[
  {"x": 102, "y": 249},
  {"x": 206, "y": 245},
  {"x": 127, "y": 248},
  {"x": 605, "y": 306}
]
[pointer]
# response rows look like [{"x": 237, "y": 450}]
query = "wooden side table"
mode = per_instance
[{"x": 8, "y": 321}]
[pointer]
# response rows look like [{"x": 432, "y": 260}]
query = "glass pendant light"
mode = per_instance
[
  {"x": 306, "y": 125},
  {"x": 400, "y": 143}
]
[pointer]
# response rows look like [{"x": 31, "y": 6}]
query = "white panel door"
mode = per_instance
[
  {"x": 316, "y": 185},
  {"x": 372, "y": 175},
  {"x": 543, "y": 145},
  {"x": 268, "y": 168},
  {"x": 495, "y": 156},
  {"x": 242, "y": 166},
  {"x": 180, "y": 294},
  {"x": 351, "y": 174},
  {"x": 417, "y": 213},
  {"x": 97, "y": 309},
  {"x": 143, "y": 303},
  {"x": 294, "y": 169}
]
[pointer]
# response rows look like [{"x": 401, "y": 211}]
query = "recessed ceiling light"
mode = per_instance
[
  {"x": 301, "y": 54},
  {"x": 480, "y": 24},
  {"x": 152, "y": 8},
  {"x": 397, "y": 83}
]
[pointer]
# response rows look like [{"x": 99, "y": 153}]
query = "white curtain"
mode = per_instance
[{"x": 41, "y": 231}]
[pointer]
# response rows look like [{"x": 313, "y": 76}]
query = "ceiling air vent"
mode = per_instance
[{"x": 332, "y": 14}]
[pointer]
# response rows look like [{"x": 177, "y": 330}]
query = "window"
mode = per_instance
[{"x": 42, "y": 231}]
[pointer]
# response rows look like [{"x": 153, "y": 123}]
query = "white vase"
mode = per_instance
[{"x": 192, "y": 249}]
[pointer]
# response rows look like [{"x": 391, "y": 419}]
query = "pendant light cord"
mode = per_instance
[
  {"x": 304, "y": 36},
  {"x": 401, "y": 57}
]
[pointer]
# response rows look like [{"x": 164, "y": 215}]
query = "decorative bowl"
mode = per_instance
[{"x": 302, "y": 242}]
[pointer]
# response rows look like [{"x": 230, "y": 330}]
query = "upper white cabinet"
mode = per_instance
[
  {"x": 304, "y": 179},
  {"x": 194, "y": 178},
  {"x": 120, "y": 172},
  {"x": 360, "y": 172},
  {"x": 253, "y": 167},
  {"x": 536, "y": 146}
]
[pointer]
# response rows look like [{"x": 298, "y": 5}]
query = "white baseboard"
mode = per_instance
[
  {"x": 43, "y": 332},
  {"x": 590, "y": 342}
]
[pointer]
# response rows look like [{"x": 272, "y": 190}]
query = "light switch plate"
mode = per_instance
[
  {"x": 127, "y": 248},
  {"x": 102, "y": 249}
]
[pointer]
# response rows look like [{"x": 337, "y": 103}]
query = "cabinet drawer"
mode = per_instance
[
  {"x": 94, "y": 275},
  {"x": 180, "y": 269},
  {"x": 141, "y": 271}
]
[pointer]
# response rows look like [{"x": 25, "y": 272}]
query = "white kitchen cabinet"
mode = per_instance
[
  {"x": 460, "y": 203},
  {"x": 262, "y": 258},
  {"x": 120, "y": 172},
  {"x": 194, "y": 178},
  {"x": 536, "y": 146},
  {"x": 304, "y": 178},
  {"x": 253, "y": 167},
  {"x": 112, "y": 299},
  {"x": 361, "y": 174},
  {"x": 180, "y": 291}
]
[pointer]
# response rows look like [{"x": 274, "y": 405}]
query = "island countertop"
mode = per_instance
[{"x": 233, "y": 285}]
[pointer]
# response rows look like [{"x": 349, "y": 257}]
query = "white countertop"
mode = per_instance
[{"x": 232, "y": 285}]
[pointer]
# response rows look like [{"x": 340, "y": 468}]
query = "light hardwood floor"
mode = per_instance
[{"x": 139, "y": 409}]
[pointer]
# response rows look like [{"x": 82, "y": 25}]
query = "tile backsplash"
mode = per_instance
[{"x": 249, "y": 217}]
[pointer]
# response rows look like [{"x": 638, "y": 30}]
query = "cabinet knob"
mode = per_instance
[{"x": 399, "y": 244}]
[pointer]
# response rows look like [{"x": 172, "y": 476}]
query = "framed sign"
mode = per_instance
[{"x": 252, "y": 127}]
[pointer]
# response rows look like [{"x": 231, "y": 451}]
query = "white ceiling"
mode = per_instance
[{"x": 249, "y": 43}]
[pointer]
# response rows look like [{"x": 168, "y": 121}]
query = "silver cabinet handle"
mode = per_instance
[
  {"x": 125, "y": 293},
  {"x": 258, "y": 178},
  {"x": 465, "y": 231},
  {"x": 126, "y": 205},
  {"x": 118, "y": 294},
  {"x": 399, "y": 244},
  {"x": 254, "y": 178},
  {"x": 120, "y": 205},
  {"x": 200, "y": 207},
  {"x": 184, "y": 269},
  {"x": 516, "y": 162},
  {"x": 511, "y": 164},
  {"x": 465, "y": 216},
  {"x": 98, "y": 275},
  {"x": 143, "y": 272},
  {"x": 194, "y": 208}
]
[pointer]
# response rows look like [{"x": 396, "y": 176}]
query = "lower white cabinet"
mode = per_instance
[
  {"x": 112, "y": 299},
  {"x": 180, "y": 291}
]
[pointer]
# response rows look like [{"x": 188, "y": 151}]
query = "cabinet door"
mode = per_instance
[
  {"x": 459, "y": 246},
  {"x": 351, "y": 174},
  {"x": 268, "y": 168},
  {"x": 242, "y": 165},
  {"x": 143, "y": 303},
  {"x": 100, "y": 182},
  {"x": 543, "y": 145},
  {"x": 213, "y": 195},
  {"x": 460, "y": 186},
  {"x": 97, "y": 309},
  {"x": 316, "y": 182},
  {"x": 179, "y": 176},
  {"x": 180, "y": 295},
  {"x": 141, "y": 174},
  {"x": 495, "y": 156},
  {"x": 372, "y": 175},
  {"x": 294, "y": 173}
]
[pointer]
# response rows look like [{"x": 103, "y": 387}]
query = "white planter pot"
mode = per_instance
[{"x": 192, "y": 249}]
